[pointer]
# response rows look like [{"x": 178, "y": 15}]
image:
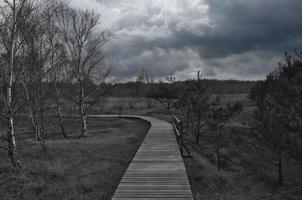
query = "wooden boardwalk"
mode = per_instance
[{"x": 157, "y": 171}]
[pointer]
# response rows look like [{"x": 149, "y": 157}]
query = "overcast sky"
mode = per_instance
[{"x": 225, "y": 39}]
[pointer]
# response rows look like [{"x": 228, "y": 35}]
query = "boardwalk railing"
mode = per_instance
[{"x": 178, "y": 130}]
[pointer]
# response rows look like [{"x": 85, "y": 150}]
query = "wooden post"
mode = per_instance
[
  {"x": 181, "y": 136},
  {"x": 178, "y": 129}
]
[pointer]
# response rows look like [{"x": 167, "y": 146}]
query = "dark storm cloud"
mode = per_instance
[
  {"x": 241, "y": 26},
  {"x": 222, "y": 38}
]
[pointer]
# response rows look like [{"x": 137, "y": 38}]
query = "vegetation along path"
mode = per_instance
[{"x": 157, "y": 171}]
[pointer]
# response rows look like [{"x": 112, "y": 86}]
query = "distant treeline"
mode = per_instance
[{"x": 214, "y": 87}]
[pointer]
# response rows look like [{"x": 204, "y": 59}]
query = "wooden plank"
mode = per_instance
[
  {"x": 150, "y": 198},
  {"x": 157, "y": 171}
]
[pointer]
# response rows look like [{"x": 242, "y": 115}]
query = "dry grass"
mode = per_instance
[
  {"x": 88, "y": 168},
  {"x": 126, "y": 104},
  {"x": 249, "y": 170}
]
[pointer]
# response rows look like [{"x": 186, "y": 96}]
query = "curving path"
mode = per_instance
[{"x": 157, "y": 171}]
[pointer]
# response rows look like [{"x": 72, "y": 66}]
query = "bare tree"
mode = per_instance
[
  {"x": 57, "y": 59},
  {"x": 268, "y": 130},
  {"x": 278, "y": 117},
  {"x": 193, "y": 101},
  {"x": 143, "y": 82},
  {"x": 57, "y": 72},
  {"x": 218, "y": 116},
  {"x": 198, "y": 99},
  {"x": 165, "y": 92},
  {"x": 14, "y": 16},
  {"x": 37, "y": 51},
  {"x": 83, "y": 42}
]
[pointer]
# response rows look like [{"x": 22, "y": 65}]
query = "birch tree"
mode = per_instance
[
  {"x": 37, "y": 49},
  {"x": 84, "y": 42},
  {"x": 14, "y": 16},
  {"x": 57, "y": 59}
]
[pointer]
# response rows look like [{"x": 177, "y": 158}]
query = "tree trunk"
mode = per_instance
[
  {"x": 280, "y": 169},
  {"x": 41, "y": 120},
  {"x": 43, "y": 129},
  {"x": 188, "y": 121},
  {"x": 219, "y": 133},
  {"x": 218, "y": 158},
  {"x": 31, "y": 114},
  {"x": 37, "y": 127},
  {"x": 197, "y": 134},
  {"x": 83, "y": 114},
  {"x": 61, "y": 121},
  {"x": 84, "y": 124},
  {"x": 168, "y": 104},
  {"x": 12, "y": 153},
  {"x": 41, "y": 103}
]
